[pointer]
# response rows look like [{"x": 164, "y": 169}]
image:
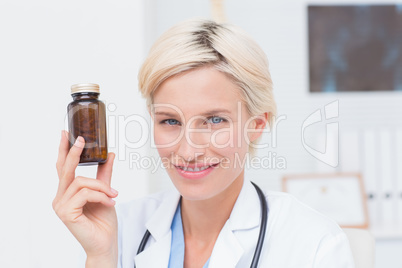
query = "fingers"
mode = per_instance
[
  {"x": 72, "y": 210},
  {"x": 105, "y": 170},
  {"x": 64, "y": 147},
  {"x": 80, "y": 183},
  {"x": 73, "y": 157},
  {"x": 85, "y": 195},
  {"x": 67, "y": 172},
  {"x": 71, "y": 188}
]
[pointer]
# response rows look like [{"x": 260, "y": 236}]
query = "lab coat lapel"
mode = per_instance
[
  {"x": 245, "y": 215},
  {"x": 157, "y": 252},
  {"x": 157, "y": 255},
  {"x": 227, "y": 250}
]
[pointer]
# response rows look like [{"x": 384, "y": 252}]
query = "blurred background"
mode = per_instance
[{"x": 337, "y": 73}]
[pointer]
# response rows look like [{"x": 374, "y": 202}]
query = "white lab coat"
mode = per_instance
[{"x": 296, "y": 237}]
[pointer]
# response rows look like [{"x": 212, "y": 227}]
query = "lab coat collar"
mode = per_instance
[
  {"x": 157, "y": 254},
  {"x": 160, "y": 222},
  {"x": 247, "y": 210},
  {"x": 227, "y": 250},
  {"x": 245, "y": 215}
]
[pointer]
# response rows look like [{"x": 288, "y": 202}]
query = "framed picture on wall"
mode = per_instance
[
  {"x": 340, "y": 196},
  {"x": 355, "y": 47}
]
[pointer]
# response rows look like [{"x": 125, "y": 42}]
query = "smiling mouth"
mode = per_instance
[{"x": 195, "y": 168}]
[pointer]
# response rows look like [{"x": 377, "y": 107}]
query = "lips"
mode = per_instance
[{"x": 195, "y": 171}]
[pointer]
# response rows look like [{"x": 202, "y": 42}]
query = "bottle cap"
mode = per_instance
[{"x": 77, "y": 88}]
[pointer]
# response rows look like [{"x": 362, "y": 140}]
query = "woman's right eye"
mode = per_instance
[{"x": 171, "y": 122}]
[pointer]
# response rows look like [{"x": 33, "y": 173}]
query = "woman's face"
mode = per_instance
[{"x": 200, "y": 130}]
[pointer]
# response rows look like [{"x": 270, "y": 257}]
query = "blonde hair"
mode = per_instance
[{"x": 197, "y": 43}]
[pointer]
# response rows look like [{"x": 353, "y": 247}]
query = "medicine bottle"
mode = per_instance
[{"x": 87, "y": 118}]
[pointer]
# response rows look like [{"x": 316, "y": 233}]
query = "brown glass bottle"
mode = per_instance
[{"x": 87, "y": 118}]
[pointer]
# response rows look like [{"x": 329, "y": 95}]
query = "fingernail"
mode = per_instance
[
  {"x": 112, "y": 201},
  {"x": 79, "y": 142},
  {"x": 114, "y": 191}
]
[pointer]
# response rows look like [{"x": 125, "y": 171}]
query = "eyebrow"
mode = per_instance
[{"x": 207, "y": 113}]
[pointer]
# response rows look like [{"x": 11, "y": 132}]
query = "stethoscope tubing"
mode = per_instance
[{"x": 263, "y": 227}]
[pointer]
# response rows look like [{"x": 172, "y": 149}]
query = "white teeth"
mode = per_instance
[{"x": 195, "y": 168}]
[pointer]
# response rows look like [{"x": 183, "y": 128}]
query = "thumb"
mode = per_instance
[{"x": 104, "y": 172}]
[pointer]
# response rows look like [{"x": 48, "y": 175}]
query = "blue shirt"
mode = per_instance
[{"x": 176, "y": 258}]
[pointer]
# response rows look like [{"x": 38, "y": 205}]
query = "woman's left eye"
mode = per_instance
[{"x": 216, "y": 120}]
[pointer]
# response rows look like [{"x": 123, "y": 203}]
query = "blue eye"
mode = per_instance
[
  {"x": 216, "y": 120},
  {"x": 171, "y": 122}
]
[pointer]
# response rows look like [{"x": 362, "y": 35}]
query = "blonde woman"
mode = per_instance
[{"x": 209, "y": 93}]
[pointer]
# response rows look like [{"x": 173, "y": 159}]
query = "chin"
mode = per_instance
[
  {"x": 195, "y": 191},
  {"x": 204, "y": 189}
]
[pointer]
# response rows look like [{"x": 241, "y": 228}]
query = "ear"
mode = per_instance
[{"x": 256, "y": 126}]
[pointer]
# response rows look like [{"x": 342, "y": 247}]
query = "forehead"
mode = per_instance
[{"x": 197, "y": 91}]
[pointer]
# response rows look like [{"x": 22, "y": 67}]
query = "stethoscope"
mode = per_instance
[{"x": 261, "y": 236}]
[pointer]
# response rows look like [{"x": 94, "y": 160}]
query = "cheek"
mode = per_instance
[
  {"x": 165, "y": 142},
  {"x": 232, "y": 136},
  {"x": 222, "y": 138},
  {"x": 166, "y": 137},
  {"x": 232, "y": 146}
]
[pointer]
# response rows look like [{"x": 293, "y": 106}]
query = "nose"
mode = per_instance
[{"x": 192, "y": 145}]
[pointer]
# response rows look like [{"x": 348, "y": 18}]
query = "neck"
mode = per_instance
[{"x": 204, "y": 219}]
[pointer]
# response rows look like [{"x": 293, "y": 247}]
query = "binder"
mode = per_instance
[
  {"x": 386, "y": 179},
  {"x": 398, "y": 174},
  {"x": 369, "y": 172},
  {"x": 349, "y": 151}
]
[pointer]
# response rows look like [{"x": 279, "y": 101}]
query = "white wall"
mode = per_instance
[{"x": 45, "y": 47}]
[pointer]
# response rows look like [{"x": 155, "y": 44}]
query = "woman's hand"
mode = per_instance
[{"x": 86, "y": 206}]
